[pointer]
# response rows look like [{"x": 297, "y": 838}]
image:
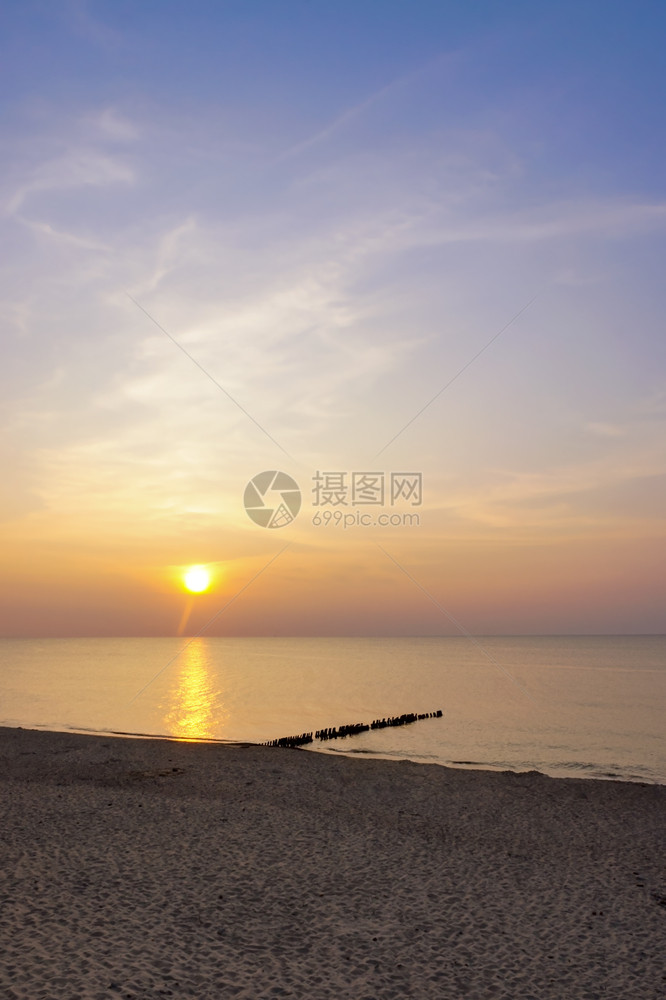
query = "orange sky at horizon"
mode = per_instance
[{"x": 345, "y": 586}]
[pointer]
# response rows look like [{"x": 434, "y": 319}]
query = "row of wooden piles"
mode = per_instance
[{"x": 352, "y": 729}]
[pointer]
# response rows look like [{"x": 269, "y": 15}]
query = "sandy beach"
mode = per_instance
[{"x": 148, "y": 869}]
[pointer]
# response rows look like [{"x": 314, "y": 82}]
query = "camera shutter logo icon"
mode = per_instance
[{"x": 272, "y": 499}]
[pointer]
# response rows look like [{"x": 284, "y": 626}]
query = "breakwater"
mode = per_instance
[{"x": 352, "y": 729}]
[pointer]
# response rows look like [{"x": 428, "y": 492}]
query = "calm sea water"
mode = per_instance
[{"x": 581, "y": 706}]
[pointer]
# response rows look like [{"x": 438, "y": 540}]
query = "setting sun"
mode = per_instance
[{"x": 197, "y": 579}]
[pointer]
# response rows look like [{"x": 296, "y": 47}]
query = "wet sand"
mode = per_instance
[{"x": 149, "y": 869}]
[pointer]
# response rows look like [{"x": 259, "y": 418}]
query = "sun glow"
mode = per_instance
[{"x": 196, "y": 579}]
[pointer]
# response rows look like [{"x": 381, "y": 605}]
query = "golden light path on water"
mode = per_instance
[{"x": 194, "y": 709}]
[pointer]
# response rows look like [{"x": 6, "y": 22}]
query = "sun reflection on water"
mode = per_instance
[{"x": 195, "y": 709}]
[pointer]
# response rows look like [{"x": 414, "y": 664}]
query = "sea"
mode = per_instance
[{"x": 575, "y": 706}]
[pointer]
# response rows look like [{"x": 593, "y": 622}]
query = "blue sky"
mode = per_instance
[{"x": 333, "y": 208}]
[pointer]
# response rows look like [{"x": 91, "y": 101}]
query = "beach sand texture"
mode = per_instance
[{"x": 150, "y": 869}]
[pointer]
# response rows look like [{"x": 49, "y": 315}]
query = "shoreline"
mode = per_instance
[{"x": 325, "y": 749}]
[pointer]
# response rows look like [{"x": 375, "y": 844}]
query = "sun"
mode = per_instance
[{"x": 196, "y": 579}]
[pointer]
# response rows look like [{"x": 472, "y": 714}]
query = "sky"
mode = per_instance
[{"x": 416, "y": 242}]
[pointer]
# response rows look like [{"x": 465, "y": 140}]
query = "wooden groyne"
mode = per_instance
[{"x": 339, "y": 732}]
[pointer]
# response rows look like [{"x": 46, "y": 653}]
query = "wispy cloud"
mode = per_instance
[
  {"x": 359, "y": 110},
  {"x": 351, "y": 114},
  {"x": 78, "y": 168},
  {"x": 59, "y": 236},
  {"x": 605, "y": 430},
  {"x": 83, "y": 22},
  {"x": 614, "y": 219},
  {"x": 112, "y": 124},
  {"x": 622, "y": 491}
]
